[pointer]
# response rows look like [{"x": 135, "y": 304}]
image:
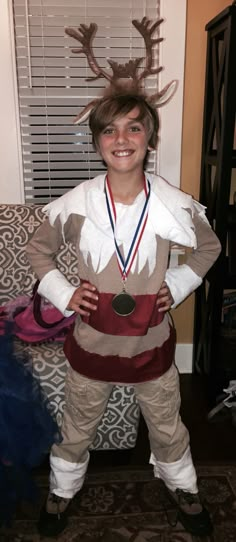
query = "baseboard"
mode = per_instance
[{"x": 184, "y": 358}]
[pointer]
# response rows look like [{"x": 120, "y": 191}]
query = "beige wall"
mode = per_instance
[{"x": 199, "y": 13}]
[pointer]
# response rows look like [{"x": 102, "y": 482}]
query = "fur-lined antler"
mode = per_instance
[
  {"x": 85, "y": 35},
  {"x": 125, "y": 77},
  {"x": 146, "y": 29}
]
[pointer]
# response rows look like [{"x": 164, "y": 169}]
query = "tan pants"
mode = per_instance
[{"x": 86, "y": 402}]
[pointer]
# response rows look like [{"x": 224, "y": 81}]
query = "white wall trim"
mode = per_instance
[
  {"x": 184, "y": 357},
  {"x": 172, "y": 58},
  {"x": 11, "y": 176}
]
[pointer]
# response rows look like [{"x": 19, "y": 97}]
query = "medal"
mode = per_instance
[{"x": 123, "y": 304}]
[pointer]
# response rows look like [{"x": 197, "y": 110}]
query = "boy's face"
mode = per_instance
[{"x": 123, "y": 144}]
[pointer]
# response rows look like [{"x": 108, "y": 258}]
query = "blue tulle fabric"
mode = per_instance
[{"x": 27, "y": 426}]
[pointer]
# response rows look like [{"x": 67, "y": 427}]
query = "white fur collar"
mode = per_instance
[{"x": 170, "y": 216}]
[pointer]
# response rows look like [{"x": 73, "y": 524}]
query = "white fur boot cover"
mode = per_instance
[
  {"x": 180, "y": 474},
  {"x": 66, "y": 478}
]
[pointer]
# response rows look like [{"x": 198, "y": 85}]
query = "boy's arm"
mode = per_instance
[
  {"x": 41, "y": 252},
  {"x": 182, "y": 280}
]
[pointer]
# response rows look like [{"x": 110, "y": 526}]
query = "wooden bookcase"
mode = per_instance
[{"x": 215, "y": 353}]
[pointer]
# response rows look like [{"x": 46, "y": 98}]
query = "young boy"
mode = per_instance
[{"x": 123, "y": 224}]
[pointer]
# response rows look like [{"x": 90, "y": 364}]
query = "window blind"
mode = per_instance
[{"x": 52, "y": 88}]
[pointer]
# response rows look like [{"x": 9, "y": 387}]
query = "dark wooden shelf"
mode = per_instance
[
  {"x": 220, "y": 19},
  {"x": 229, "y": 280},
  {"x": 214, "y": 350},
  {"x": 212, "y": 157}
]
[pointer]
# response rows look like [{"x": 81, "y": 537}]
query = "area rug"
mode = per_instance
[{"x": 131, "y": 506}]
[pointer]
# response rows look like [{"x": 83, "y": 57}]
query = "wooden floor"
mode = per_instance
[{"x": 211, "y": 442}]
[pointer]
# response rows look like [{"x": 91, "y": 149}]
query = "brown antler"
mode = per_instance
[
  {"x": 124, "y": 71},
  {"x": 147, "y": 29},
  {"x": 120, "y": 72},
  {"x": 85, "y": 35}
]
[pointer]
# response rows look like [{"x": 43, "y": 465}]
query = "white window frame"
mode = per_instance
[{"x": 172, "y": 58}]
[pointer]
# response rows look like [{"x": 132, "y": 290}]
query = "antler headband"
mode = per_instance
[{"x": 125, "y": 78}]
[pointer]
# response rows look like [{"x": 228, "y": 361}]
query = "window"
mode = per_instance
[{"x": 52, "y": 86}]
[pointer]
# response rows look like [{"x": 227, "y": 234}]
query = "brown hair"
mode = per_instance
[{"x": 112, "y": 107}]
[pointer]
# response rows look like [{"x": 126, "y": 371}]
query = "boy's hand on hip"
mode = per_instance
[
  {"x": 83, "y": 299},
  {"x": 165, "y": 299}
]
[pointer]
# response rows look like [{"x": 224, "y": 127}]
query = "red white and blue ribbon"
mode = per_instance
[{"x": 125, "y": 265}]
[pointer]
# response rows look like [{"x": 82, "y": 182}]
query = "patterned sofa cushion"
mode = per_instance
[
  {"x": 18, "y": 224},
  {"x": 119, "y": 426}
]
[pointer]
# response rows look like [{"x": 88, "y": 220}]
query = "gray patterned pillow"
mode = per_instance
[{"x": 18, "y": 223}]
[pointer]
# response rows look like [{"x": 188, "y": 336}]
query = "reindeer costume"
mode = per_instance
[{"x": 126, "y": 340}]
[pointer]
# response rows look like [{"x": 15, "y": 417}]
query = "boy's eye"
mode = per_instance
[
  {"x": 135, "y": 128},
  {"x": 108, "y": 130}
]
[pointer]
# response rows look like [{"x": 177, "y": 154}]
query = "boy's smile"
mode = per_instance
[{"x": 123, "y": 144}]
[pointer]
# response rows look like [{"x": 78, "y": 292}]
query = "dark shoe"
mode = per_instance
[
  {"x": 53, "y": 517},
  {"x": 191, "y": 513}
]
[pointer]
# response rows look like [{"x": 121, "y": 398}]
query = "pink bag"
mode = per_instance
[{"x": 40, "y": 321}]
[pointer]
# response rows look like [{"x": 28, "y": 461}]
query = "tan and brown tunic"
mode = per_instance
[{"x": 139, "y": 347}]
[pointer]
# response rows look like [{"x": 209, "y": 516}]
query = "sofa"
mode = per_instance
[{"x": 119, "y": 426}]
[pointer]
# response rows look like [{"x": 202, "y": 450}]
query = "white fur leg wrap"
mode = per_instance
[
  {"x": 180, "y": 474},
  {"x": 66, "y": 478}
]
